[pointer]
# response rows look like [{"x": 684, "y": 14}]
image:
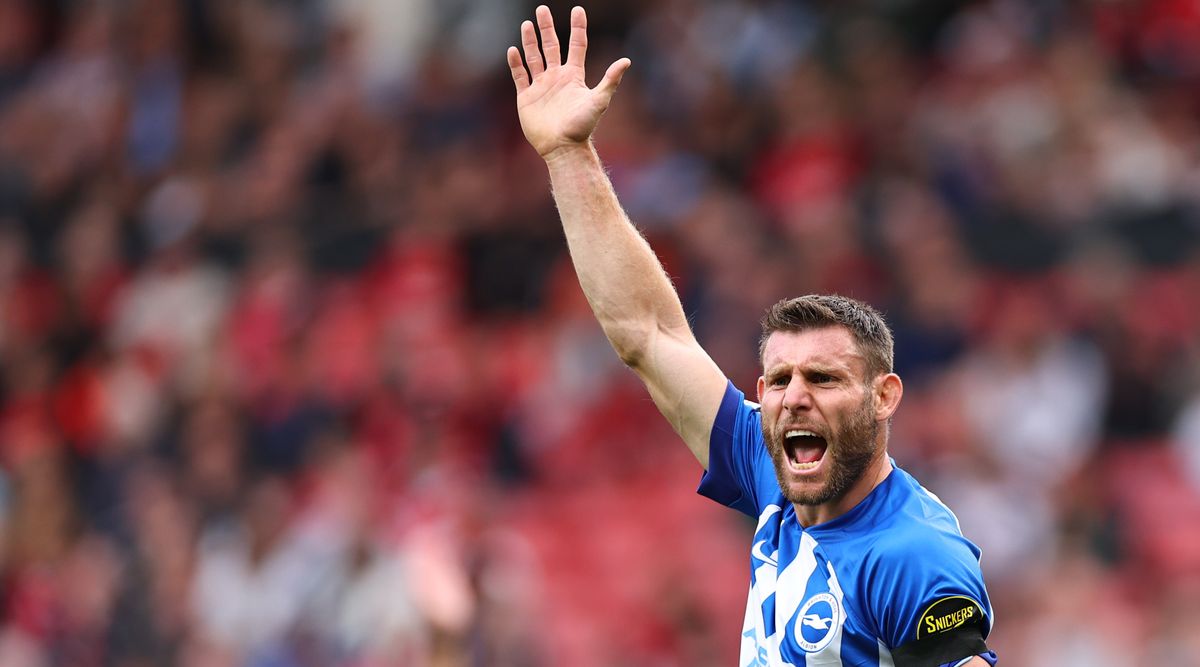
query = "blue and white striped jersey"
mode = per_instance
[{"x": 891, "y": 582}]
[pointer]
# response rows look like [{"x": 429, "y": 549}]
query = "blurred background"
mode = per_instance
[{"x": 294, "y": 370}]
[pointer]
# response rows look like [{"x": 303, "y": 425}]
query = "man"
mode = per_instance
[{"x": 852, "y": 563}]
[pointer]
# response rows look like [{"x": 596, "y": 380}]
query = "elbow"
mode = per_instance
[
  {"x": 630, "y": 343},
  {"x": 642, "y": 344},
  {"x": 631, "y": 356}
]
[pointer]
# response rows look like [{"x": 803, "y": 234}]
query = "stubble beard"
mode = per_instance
[{"x": 850, "y": 449}]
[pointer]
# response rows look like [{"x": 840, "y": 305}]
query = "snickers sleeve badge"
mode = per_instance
[{"x": 951, "y": 628}]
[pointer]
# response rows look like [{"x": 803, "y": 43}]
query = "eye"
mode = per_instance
[
  {"x": 780, "y": 380},
  {"x": 821, "y": 378}
]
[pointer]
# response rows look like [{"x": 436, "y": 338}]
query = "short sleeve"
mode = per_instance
[
  {"x": 929, "y": 600},
  {"x": 739, "y": 472}
]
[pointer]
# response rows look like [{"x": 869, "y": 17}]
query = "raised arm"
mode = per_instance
[{"x": 625, "y": 284}]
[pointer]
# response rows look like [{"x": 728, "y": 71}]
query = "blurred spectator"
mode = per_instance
[{"x": 293, "y": 370}]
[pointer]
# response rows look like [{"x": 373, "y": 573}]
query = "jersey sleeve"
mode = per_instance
[
  {"x": 740, "y": 474},
  {"x": 929, "y": 601}
]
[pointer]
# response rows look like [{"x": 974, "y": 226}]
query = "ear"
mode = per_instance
[
  {"x": 888, "y": 392},
  {"x": 761, "y": 386}
]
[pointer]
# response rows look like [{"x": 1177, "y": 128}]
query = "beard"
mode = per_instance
[{"x": 850, "y": 449}]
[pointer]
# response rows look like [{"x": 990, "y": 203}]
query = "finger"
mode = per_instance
[
  {"x": 612, "y": 78},
  {"x": 549, "y": 39},
  {"x": 529, "y": 42},
  {"x": 577, "y": 46},
  {"x": 520, "y": 77}
]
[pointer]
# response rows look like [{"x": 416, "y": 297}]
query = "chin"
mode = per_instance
[{"x": 807, "y": 492}]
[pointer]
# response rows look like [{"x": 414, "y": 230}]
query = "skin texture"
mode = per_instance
[{"x": 816, "y": 380}]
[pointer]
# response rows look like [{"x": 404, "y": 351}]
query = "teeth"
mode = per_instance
[
  {"x": 797, "y": 432},
  {"x": 807, "y": 466}
]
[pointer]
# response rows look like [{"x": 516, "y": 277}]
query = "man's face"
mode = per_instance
[{"x": 818, "y": 413}]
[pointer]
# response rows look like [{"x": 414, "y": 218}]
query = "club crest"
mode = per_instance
[{"x": 817, "y": 622}]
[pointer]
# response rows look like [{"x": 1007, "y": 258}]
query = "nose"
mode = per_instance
[{"x": 797, "y": 396}]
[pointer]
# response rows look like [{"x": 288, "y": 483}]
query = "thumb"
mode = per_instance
[{"x": 612, "y": 79}]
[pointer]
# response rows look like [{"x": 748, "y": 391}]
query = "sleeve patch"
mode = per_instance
[{"x": 948, "y": 614}]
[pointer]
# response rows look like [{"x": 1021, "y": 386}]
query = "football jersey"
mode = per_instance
[{"x": 890, "y": 582}]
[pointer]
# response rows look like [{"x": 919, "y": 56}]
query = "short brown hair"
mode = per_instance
[{"x": 817, "y": 311}]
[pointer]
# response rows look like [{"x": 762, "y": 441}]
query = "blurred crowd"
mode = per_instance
[{"x": 294, "y": 370}]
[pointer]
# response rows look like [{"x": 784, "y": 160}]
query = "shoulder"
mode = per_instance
[
  {"x": 917, "y": 538},
  {"x": 909, "y": 558},
  {"x": 905, "y": 518},
  {"x": 737, "y": 459},
  {"x": 918, "y": 564},
  {"x": 736, "y": 409}
]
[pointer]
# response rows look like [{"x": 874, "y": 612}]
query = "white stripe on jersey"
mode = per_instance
[
  {"x": 790, "y": 590},
  {"x": 885, "y": 656},
  {"x": 831, "y": 656},
  {"x": 768, "y": 512},
  {"x": 793, "y": 582}
]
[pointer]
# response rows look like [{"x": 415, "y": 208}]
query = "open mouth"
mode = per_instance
[{"x": 804, "y": 449}]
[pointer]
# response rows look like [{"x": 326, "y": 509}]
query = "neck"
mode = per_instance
[{"x": 873, "y": 476}]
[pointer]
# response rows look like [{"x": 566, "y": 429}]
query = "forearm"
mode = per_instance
[
  {"x": 626, "y": 286},
  {"x": 629, "y": 292}
]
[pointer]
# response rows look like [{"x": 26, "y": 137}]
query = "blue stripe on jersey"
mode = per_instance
[
  {"x": 858, "y": 649},
  {"x": 768, "y": 608}
]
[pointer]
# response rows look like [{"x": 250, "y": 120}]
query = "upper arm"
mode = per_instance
[
  {"x": 685, "y": 383},
  {"x": 930, "y": 602}
]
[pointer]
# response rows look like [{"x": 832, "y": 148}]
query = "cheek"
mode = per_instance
[
  {"x": 769, "y": 405},
  {"x": 769, "y": 417},
  {"x": 843, "y": 410}
]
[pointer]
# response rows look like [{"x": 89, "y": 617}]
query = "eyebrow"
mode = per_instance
[{"x": 811, "y": 367}]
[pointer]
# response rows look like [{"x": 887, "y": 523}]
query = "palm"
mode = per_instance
[{"x": 556, "y": 108}]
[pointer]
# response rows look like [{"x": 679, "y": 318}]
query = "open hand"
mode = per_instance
[{"x": 557, "y": 109}]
